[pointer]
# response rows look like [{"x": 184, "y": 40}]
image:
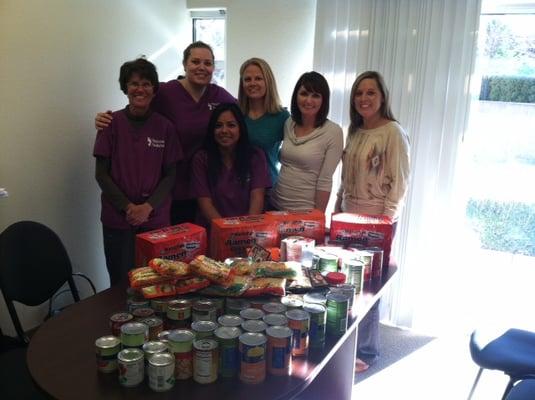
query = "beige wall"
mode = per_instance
[{"x": 59, "y": 65}]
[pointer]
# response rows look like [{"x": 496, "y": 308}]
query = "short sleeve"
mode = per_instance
[
  {"x": 200, "y": 185},
  {"x": 103, "y": 143},
  {"x": 259, "y": 170}
]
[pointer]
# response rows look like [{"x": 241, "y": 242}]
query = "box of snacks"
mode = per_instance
[{"x": 306, "y": 223}]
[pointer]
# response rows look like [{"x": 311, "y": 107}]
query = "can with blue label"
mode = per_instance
[
  {"x": 279, "y": 350},
  {"x": 318, "y": 318},
  {"x": 299, "y": 323},
  {"x": 227, "y": 338}
]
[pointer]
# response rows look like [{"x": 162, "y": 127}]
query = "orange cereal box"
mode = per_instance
[
  {"x": 231, "y": 237},
  {"x": 306, "y": 223},
  {"x": 181, "y": 242},
  {"x": 363, "y": 229}
]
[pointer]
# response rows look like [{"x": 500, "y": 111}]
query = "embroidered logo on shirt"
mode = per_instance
[
  {"x": 158, "y": 143},
  {"x": 212, "y": 106}
]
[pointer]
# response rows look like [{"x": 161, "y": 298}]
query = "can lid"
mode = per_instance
[
  {"x": 129, "y": 355},
  {"x": 314, "y": 297},
  {"x": 161, "y": 359},
  {"x": 134, "y": 328},
  {"x": 314, "y": 308},
  {"x": 274, "y": 308},
  {"x": 154, "y": 346},
  {"x": 230, "y": 320},
  {"x": 254, "y": 325},
  {"x": 179, "y": 304},
  {"x": 334, "y": 278},
  {"x": 203, "y": 326},
  {"x": 251, "y": 313},
  {"x": 152, "y": 321},
  {"x": 275, "y": 319},
  {"x": 292, "y": 301},
  {"x": 253, "y": 339},
  {"x": 338, "y": 297},
  {"x": 298, "y": 315},
  {"x": 279, "y": 331},
  {"x": 181, "y": 335},
  {"x": 205, "y": 344},
  {"x": 121, "y": 317},
  {"x": 227, "y": 332},
  {"x": 107, "y": 342}
]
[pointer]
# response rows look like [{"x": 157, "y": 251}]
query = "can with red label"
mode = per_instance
[
  {"x": 279, "y": 350},
  {"x": 377, "y": 262},
  {"x": 299, "y": 323},
  {"x": 155, "y": 325},
  {"x": 252, "y": 357},
  {"x": 107, "y": 348},
  {"x": 117, "y": 320},
  {"x": 181, "y": 345},
  {"x": 205, "y": 360},
  {"x": 178, "y": 314}
]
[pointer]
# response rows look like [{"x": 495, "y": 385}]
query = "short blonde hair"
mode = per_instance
[{"x": 272, "y": 103}]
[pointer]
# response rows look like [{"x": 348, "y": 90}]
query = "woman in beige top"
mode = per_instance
[{"x": 311, "y": 149}]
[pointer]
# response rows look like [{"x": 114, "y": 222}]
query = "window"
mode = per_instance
[{"x": 209, "y": 27}]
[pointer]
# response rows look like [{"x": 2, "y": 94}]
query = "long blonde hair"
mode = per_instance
[
  {"x": 354, "y": 116},
  {"x": 272, "y": 103}
]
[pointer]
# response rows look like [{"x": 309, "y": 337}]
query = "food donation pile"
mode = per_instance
[{"x": 237, "y": 313}]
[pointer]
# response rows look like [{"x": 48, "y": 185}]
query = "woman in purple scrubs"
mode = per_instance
[
  {"x": 187, "y": 102},
  {"x": 136, "y": 156},
  {"x": 229, "y": 175}
]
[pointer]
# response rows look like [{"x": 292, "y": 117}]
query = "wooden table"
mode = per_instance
[{"x": 61, "y": 358}]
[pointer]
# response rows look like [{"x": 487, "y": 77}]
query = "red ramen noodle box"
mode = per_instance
[
  {"x": 181, "y": 242},
  {"x": 231, "y": 237},
  {"x": 307, "y": 223},
  {"x": 363, "y": 229}
]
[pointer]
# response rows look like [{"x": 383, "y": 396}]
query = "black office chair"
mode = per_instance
[
  {"x": 511, "y": 351},
  {"x": 34, "y": 266}
]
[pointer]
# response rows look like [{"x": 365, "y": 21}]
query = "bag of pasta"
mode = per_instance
[
  {"x": 272, "y": 269},
  {"x": 215, "y": 271},
  {"x": 266, "y": 286},
  {"x": 237, "y": 287},
  {"x": 191, "y": 285},
  {"x": 171, "y": 268},
  {"x": 160, "y": 290},
  {"x": 145, "y": 276}
]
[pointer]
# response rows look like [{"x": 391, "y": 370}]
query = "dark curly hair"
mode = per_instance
[{"x": 141, "y": 66}]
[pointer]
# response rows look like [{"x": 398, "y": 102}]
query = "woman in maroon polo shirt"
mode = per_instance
[{"x": 136, "y": 156}]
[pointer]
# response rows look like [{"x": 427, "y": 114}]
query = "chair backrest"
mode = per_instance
[{"x": 33, "y": 266}]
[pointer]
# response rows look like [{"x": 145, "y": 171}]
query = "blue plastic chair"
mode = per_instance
[
  {"x": 523, "y": 390},
  {"x": 511, "y": 351}
]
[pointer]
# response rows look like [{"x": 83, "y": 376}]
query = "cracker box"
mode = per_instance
[
  {"x": 367, "y": 230},
  {"x": 231, "y": 237},
  {"x": 306, "y": 223},
  {"x": 181, "y": 242}
]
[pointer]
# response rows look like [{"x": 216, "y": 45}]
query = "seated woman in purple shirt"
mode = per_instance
[
  {"x": 229, "y": 175},
  {"x": 136, "y": 156}
]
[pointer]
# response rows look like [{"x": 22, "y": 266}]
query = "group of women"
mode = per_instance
[{"x": 220, "y": 157}]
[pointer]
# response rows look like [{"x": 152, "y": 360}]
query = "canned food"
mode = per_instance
[
  {"x": 178, "y": 314},
  {"x": 314, "y": 298},
  {"x": 219, "y": 303},
  {"x": 279, "y": 350},
  {"x": 205, "y": 360},
  {"x": 131, "y": 367},
  {"x": 203, "y": 329},
  {"x": 134, "y": 334},
  {"x": 227, "y": 338},
  {"x": 367, "y": 259},
  {"x": 135, "y": 304},
  {"x": 348, "y": 290},
  {"x": 142, "y": 313},
  {"x": 275, "y": 320},
  {"x": 318, "y": 318},
  {"x": 292, "y": 302},
  {"x": 119, "y": 319},
  {"x": 106, "y": 348},
  {"x": 181, "y": 344},
  {"x": 234, "y": 306},
  {"x": 258, "y": 302},
  {"x": 150, "y": 349},
  {"x": 161, "y": 372},
  {"x": 159, "y": 306},
  {"x": 203, "y": 310},
  {"x": 155, "y": 325},
  {"x": 231, "y": 321},
  {"x": 252, "y": 357},
  {"x": 251, "y": 313},
  {"x": 355, "y": 273},
  {"x": 337, "y": 310},
  {"x": 163, "y": 336},
  {"x": 299, "y": 323},
  {"x": 328, "y": 263},
  {"x": 377, "y": 262},
  {"x": 274, "y": 308},
  {"x": 254, "y": 325}
]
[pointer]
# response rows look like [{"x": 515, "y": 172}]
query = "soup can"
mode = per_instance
[
  {"x": 155, "y": 325},
  {"x": 337, "y": 311},
  {"x": 219, "y": 303},
  {"x": 106, "y": 348},
  {"x": 159, "y": 306},
  {"x": 251, "y": 313},
  {"x": 299, "y": 323},
  {"x": 355, "y": 273},
  {"x": 328, "y": 263},
  {"x": 377, "y": 263},
  {"x": 367, "y": 259},
  {"x": 279, "y": 350},
  {"x": 142, "y": 313},
  {"x": 203, "y": 329},
  {"x": 252, "y": 357},
  {"x": 181, "y": 344},
  {"x": 348, "y": 290},
  {"x": 161, "y": 372},
  {"x": 163, "y": 336},
  {"x": 274, "y": 308},
  {"x": 135, "y": 304},
  {"x": 178, "y": 314},
  {"x": 275, "y": 320},
  {"x": 131, "y": 367},
  {"x": 227, "y": 337},
  {"x": 203, "y": 310},
  {"x": 134, "y": 334},
  {"x": 318, "y": 319},
  {"x": 234, "y": 306},
  {"x": 230, "y": 321},
  {"x": 314, "y": 298},
  {"x": 150, "y": 349},
  {"x": 258, "y": 302},
  {"x": 205, "y": 360},
  {"x": 292, "y": 302},
  {"x": 119, "y": 319},
  {"x": 254, "y": 326}
]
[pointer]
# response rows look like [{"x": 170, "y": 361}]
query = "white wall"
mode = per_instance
[
  {"x": 279, "y": 31},
  {"x": 59, "y": 65}
]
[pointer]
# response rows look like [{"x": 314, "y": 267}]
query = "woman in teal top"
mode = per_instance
[{"x": 264, "y": 115}]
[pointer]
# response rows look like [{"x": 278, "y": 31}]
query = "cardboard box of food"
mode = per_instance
[
  {"x": 363, "y": 229},
  {"x": 231, "y": 237},
  {"x": 306, "y": 223},
  {"x": 181, "y": 242}
]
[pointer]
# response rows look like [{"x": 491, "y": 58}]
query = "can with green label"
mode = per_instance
[
  {"x": 337, "y": 310},
  {"x": 318, "y": 318}
]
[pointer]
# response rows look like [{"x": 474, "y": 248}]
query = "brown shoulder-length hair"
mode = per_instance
[
  {"x": 386, "y": 111},
  {"x": 272, "y": 103},
  {"x": 312, "y": 82}
]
